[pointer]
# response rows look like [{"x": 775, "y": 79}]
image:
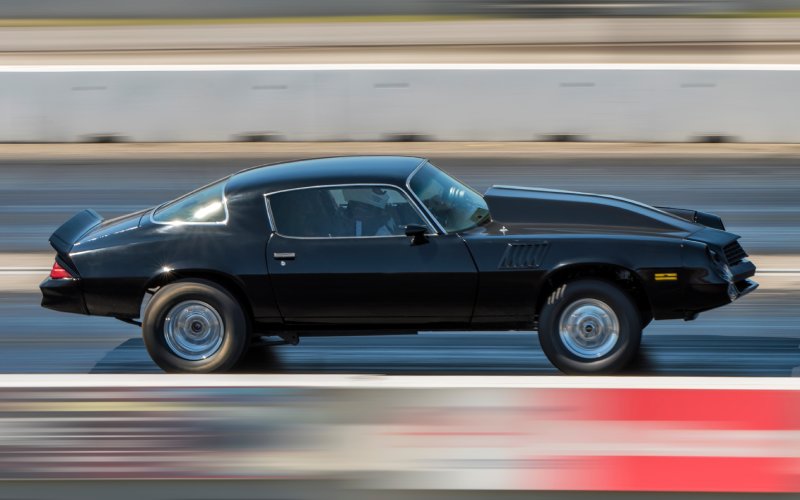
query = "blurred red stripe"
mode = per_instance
[
  {"x": 700, "y": 474},
  {"x": 717, "y": 409},
  {"x": 771, "y": 412}
]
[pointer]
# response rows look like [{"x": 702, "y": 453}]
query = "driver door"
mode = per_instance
[{"x": 339, "y": 254}]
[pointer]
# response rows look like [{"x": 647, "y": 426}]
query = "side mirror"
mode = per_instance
[{"x": 417, "y": 234}]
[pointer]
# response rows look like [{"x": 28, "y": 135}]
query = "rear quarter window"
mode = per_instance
[{"x": 206, "y": 205}]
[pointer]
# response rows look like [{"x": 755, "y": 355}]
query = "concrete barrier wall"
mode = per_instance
[{"x": 672, "y": 103}]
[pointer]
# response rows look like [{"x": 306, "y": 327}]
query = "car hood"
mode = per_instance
[{"x": 532, "y": 209}]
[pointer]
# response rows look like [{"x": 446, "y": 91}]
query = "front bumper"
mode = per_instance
[
  {"x": 712, "y": 291},
  {"x": 65, "y": 295},
  {"x": 742, "y": 288},
  {"x": 740, "y": 283}
]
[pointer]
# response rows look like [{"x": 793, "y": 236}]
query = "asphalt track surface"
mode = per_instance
[
  {"x": 583, "y": 40},
  {"x": 714, "y": 53},
  {"x": 757, "y": 336}
]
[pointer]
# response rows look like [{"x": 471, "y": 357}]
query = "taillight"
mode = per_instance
[{"x": 59, "y": 273}]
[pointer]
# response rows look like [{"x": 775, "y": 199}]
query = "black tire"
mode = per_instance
[
  {"x": 591, "y": 291},
  {"x": 235, "y": 329}
]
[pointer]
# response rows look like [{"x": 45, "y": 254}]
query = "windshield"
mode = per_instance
[
  {"x": 206, "y": 205},
  {"x": 456, "y": 206}
]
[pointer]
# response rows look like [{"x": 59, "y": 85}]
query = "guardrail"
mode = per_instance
[{"x": 451, "y": 102}]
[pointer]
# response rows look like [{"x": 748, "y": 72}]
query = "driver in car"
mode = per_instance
[{"x": 368, "y": 212}]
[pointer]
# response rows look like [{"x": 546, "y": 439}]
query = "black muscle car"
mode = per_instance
[{"x": 386, "y": 245}]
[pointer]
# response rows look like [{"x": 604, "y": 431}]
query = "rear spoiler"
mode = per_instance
[
  {"x": 81, "y": 223},
  {"x": 704, "y": 218}
]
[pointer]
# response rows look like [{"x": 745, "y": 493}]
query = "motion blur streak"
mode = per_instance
[
  {"x": 154, "y": 9},
  {"x": 431, "y": 433}
]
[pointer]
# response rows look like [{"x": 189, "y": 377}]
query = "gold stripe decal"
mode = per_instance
[{"x": 666, "y": 276}]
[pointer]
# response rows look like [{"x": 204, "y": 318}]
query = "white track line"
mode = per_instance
[
  {"x": 393, "y": 382},
  {"x": 390, "y": 67},
  {"x": 15, "y": 271}
]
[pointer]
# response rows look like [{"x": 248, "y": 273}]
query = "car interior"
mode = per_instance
[{"x": 331, "y": 212}]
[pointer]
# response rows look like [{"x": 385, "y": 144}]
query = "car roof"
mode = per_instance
[{"x": 392, "y": 170}]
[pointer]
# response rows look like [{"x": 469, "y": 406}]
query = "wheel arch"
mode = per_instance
[
  {"x": 627, "y": 279},
  {"x": 228, "y": 282}
]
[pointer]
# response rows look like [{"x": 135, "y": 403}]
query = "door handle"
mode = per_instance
[{"x": 283, "y": 255}]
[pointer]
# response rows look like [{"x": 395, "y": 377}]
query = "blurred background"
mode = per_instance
[
  {"x": 151, "y": 9},
  {"x": 118, "y": 106},
  {"x": 412, "y": 31}
]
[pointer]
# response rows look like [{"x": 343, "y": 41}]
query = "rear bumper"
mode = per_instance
[{"x": 63, "y": 295}]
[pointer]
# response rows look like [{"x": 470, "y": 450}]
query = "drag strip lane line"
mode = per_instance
[
  {"x": 355, "y": 381},
  {"x": 98, "y": 68},
  {"x": 10, "y": 270}
]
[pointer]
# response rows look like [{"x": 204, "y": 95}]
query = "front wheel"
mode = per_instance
[
  {"x": 589, "y": 327},
  {"x": 195, "y": 326}
]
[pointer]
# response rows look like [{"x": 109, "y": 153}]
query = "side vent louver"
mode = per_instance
[{"x": 522, "y": 255}]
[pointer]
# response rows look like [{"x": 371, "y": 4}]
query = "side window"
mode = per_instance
[
  {"x": 207, "y": 204},
  {"x": 347, "y": 211}
]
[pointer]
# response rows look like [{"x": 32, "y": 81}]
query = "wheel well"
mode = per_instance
[
  {"x": 227, "y": 282},
  {"x": 626, "y": 279}
]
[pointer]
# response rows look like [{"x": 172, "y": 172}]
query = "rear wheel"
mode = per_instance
[
  {"x": 195, "y": 326},
  {"x": 590, "y": 327}
]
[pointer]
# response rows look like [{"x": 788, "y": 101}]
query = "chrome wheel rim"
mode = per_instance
[
  {"x": 193, "y": 330},
  {"x": 589, "y": 328}
]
